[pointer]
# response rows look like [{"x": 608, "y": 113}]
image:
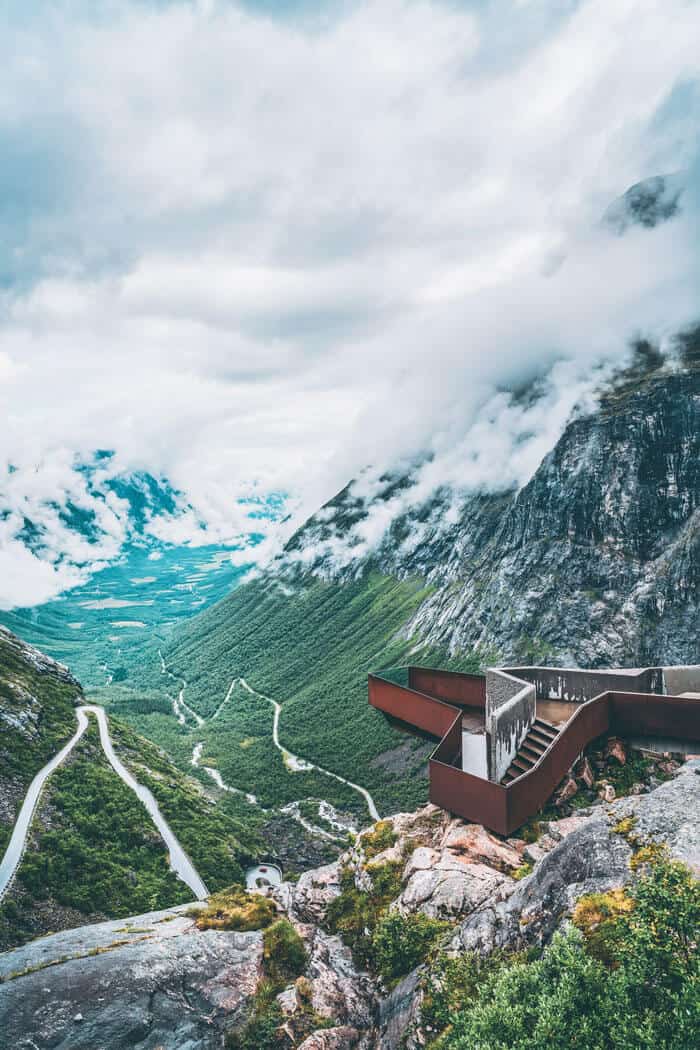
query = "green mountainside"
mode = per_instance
[
  {"x": 309, "y": 649},
  {"x": 93, "y": 851}
]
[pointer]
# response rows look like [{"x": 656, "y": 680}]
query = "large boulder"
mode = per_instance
[
  {"x": 308, "y": 900},
  {"x": 151, "y": 981}
]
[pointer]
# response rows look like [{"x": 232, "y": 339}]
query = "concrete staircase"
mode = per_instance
[{"x": 538, "y": 739}]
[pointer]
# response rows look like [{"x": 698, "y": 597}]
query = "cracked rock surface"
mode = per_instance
[{"x": 150, "y": 981}]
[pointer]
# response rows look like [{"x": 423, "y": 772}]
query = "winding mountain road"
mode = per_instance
[
  {"x": 179, "y": 861},
  {"x": 294, "y": 763}
]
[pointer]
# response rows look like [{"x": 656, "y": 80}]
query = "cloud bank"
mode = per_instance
[{"x": 255, "y": 254}]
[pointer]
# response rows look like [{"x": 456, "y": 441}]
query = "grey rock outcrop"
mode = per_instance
[
  {"x": 591, "y": 859},
  {"x": 147, "y": 982},
  {"x": 157, "y": 981},
  {"x": 342, "y": 1037},
  {"x": 339, "y": 990},
  {"x": 308, "y": 899}
]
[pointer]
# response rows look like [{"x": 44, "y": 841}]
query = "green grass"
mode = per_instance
[{"x": 235, "y": 909}]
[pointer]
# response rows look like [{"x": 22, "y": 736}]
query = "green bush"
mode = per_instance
[
  {"x": 644, "y": 996},
  {"x": 402, "y": 942},
  {"x": 235, "y": 909},
  {"x": 382, "y": 836},
  {"x": 284, "y": 955},
  {"x": 451, "y": 982},
  {"x": 355, "y": 914}
]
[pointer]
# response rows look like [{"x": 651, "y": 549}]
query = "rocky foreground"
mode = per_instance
[{"x": 158, "y": 981}]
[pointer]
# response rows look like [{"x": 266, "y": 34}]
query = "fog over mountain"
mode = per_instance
[{"x": 255, "y": 252}]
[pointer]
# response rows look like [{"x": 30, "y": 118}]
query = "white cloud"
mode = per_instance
[
  {"x": 256, "y": 254},
  {"x": 23, "y": 573}
]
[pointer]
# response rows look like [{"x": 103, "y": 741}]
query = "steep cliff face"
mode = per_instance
[{"x": 596, "y": 560}]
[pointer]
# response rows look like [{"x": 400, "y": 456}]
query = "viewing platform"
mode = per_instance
[{"x": 506, "y": 739}]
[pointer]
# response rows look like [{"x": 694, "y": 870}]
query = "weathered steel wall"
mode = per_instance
[
  {"x": 681, "y": 679},
  {"x": 432, "y": 716},
  {"x": 637, "y": 714},
  {"x": 455, "y": 687}
]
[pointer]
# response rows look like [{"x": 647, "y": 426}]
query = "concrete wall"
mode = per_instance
[
  {"x": 578, "y": 686},
  {"x": 475, "y": 758},
  {"x": 684, "y": 678},
  {"x": 510, "y": 711}
]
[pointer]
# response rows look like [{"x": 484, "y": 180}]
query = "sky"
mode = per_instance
[{"x": 258, "y": 247}]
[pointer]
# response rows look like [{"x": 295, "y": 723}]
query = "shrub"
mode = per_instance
[
  {"x": 382, "y": 836},
  {"x": 627, "y": 980},
  {"x": 558, "y": 1001},
  {"x": 596, "y": 915},
  {"x": 263, "y": 1030},
  {"x": 450, "y": 983},
  {"x": 284, "y": 955},
  {"x": 235, "y": 909},
  {"x": 354, "y": 914},
  {"x": 402, "y": 942}
]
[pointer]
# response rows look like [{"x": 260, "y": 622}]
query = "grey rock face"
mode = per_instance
[
  {"x": 592, "y": 859},
  {"x": 598, "y": 556},
  {"x": 647, "y": 203},
  {"x": 151, "y": 981},
  {"x": 399, "y": 1013},
  {"x": 340, "y": 1038},
  {"x": 339, "y": 990},
  {"x": 595, "y": 562},
  {"x": 38, "y": 660}
]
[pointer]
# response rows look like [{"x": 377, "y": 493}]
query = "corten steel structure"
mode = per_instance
[{"x": 435, "y": 702}]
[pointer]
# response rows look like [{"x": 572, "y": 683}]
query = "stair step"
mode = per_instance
[
  {"x": 539, "y": 737},
  {"x": 532, "y": 751}
]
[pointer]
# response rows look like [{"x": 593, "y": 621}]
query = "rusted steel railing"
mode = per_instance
[
  {"x": 408, "y": 705},
  {"x": 453, "y": 686}
]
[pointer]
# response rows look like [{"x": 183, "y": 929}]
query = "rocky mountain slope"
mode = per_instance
[
  {"x": 595, "y": 561},
  {"x": 160, "y": 980},
  {"x": 37, "y": 701}
]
